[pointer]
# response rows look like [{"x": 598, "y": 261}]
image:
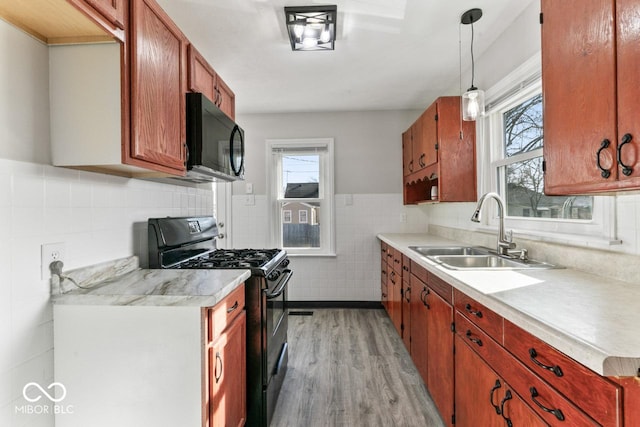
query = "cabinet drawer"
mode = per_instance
[
  {"x": 223, "y": 313},
  {"x": 550, "y": 405},
  {"x": 441, "y": 287},
  {"x": 406, "y": 267},
  {"x": 397, "y": 260},
  {"x": 596, "y": 395},
  {"x": 419, "y": 271},
  {"x": 489, "y": 321}
]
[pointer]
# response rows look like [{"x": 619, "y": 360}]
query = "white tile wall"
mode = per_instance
[
  {"x": 98, "y": 217},
  {"x": 354, "y": 273}
]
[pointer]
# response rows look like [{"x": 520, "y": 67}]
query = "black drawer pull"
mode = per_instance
[
  {"x": 557, "y": 412},
  {"x": 507, "y": 396},
  {"x": 474, "y": 339},
  {"x": 470, "y": 310},
  {"x": 232, "y": 308},
  {"x": 605, "y": 173},
  {"x": 407, "y": 295},
  {"x": 493, "y": 390},
  {"x": 555, "y": 369},
  {"x": 626, "y": 170}
]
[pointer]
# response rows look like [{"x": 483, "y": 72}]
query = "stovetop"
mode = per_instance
[{"x": 232, "y": 258}]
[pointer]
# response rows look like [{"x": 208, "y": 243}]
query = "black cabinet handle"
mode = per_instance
[
  {"x": 407, "y": 294},
  {"x": 470, "y": 310},
  {"x": 557, "y": 412},
  {"x": 493, "y": 390},
  {"x": 232, "y": 308},
  {"x": 216, "y": 374},
  {"x": 411, "y": 166},
  {"x": 533, "y": 354},
  {"x": 626, "y": 170},
  {"x": 423, "y": 297},
  {"x": 605, "y": 173},
  {"x": 473, "y": 339},
  {"x": 507, "y": 396},
  {"x": 421, "y": 161}
]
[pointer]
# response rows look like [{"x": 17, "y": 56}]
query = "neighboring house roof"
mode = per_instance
[{"x": 305, "y": 190}]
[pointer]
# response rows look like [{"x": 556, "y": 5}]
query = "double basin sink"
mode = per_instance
[{"x": 476, "y": 258}]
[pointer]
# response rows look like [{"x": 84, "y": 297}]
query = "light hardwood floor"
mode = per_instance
[{"x": 349, "y": 368}]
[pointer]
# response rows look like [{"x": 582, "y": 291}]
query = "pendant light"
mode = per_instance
[{"x": 473, "y": 98}]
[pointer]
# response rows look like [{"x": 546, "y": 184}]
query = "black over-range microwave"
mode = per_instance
[{"x": 215, "y": 144}]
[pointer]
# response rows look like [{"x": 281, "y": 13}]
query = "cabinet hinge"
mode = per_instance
[
  {"x": 541, "y": 19},
  {"x": 453, "y": 419},
  {"x": 436, "y": 146},
  {"x": 402, "y": 326},
  {"x": 453, "y": 326},
  {"x": 436, "y": 117},
  {"x": 544, "y": 166}
]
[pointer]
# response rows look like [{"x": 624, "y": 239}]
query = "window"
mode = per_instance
[
  {"x": 513, "y": 131},
  {"x": 301, "y": 180}
]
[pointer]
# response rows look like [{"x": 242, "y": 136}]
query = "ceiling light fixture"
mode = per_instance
[
  {"x": 311, "y": 27},
  {"x": 473, "y": 98}
]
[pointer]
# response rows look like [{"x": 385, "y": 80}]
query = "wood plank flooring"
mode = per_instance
[{"x": 349, "y": 368}]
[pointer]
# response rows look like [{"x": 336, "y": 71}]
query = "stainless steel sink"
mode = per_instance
[
  {"x": 476, "y": 258},
  {"x": 431, "y": 251},
  {"x": 488, "y": 262}
]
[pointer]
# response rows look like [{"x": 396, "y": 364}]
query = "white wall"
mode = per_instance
[
  {"x": 368, "y": 167},
  {"x": 99, "y": 217}
]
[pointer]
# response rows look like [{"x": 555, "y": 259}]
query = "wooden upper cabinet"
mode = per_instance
[
  {"x": 204, "y": 79},
  {"x": 407, "y": 153},
  {"x": 158, "y": 87},
  {"x": 428, "y": 152},
  {"x": 444, "y": 155},
  {"x": 112, "y": 10},
  {"x": 590, "y": 57}
]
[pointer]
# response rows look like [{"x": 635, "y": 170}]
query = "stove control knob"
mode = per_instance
[
  {"x": 285, "y": 262},
  {"x": 273, "y": 276}
]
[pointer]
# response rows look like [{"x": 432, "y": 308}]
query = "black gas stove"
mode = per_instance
[{"x": 190, "y": 243}]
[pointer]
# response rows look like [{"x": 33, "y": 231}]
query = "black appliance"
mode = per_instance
[
  {"x": 215, "y": 144},
  {"x": 190, "y": 242}
]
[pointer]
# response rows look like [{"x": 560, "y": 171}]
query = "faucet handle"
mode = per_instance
[{"x": 508, "y": 236}]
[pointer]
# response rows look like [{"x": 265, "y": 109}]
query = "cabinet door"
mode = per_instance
[
  {"x": 407, "y": 153},
  {"x": 440, "y": 368},
  {"x": 201, "y": 75},
  {"x": 417, "y": 149},
  {"x": 226, "y": 98},
  {"x": 628, "y": 50},
  {"x": 579, "y": 92},
  {"x": 406, "y": 313},
  {"x": 227, "y": 369},
  {"x": 112, "y": 10},
  {"x": 158, "y": 87},
  {"x": 476, "y": 390},
  {"x": 395, "y": 294},
  {"x": 419, "y": 325},
  {"x": 430, "y": 135}
]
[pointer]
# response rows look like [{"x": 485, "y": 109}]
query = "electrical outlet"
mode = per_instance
[{"x": 51, "y": 252}]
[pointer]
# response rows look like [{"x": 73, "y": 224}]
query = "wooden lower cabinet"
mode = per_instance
[
  {"x": 440, "y": 368},
  {"x": 227, "y": 369},
  {"x": 419, "y": 324},
  {"x": 483, "y": 398}
]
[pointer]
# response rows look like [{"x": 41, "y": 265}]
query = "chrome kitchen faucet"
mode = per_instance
[{"x": 505, "y": 239}]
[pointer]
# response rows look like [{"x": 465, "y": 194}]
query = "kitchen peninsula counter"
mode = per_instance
[{"x": 590, "y": 318}]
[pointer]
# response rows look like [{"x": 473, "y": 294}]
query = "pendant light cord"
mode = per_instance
[
  {"x": 460, "y": 74},
  {"x": 473, "y": 63}
]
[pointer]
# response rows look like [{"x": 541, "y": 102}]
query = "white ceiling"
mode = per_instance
[{"x": 390, "y": 54}]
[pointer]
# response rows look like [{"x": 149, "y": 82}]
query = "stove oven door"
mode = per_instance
[{"x": 277, "y": 347}]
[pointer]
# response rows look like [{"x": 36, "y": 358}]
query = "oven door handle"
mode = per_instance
[{"x": 280, "y": 288}]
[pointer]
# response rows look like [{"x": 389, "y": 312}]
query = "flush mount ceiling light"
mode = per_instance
[
  {"x": 473, "y": 98},
  {"x": 311, "y": 27}
]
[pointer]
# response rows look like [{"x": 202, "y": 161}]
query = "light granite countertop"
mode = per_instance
[
  {"x": 592, "y": 319},
  {"x": 122, "y": 282}
]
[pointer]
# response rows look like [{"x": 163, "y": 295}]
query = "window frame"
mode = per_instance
[
  {"x": 326, "y": 190},
  {"x": 522, "y": 84}
]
